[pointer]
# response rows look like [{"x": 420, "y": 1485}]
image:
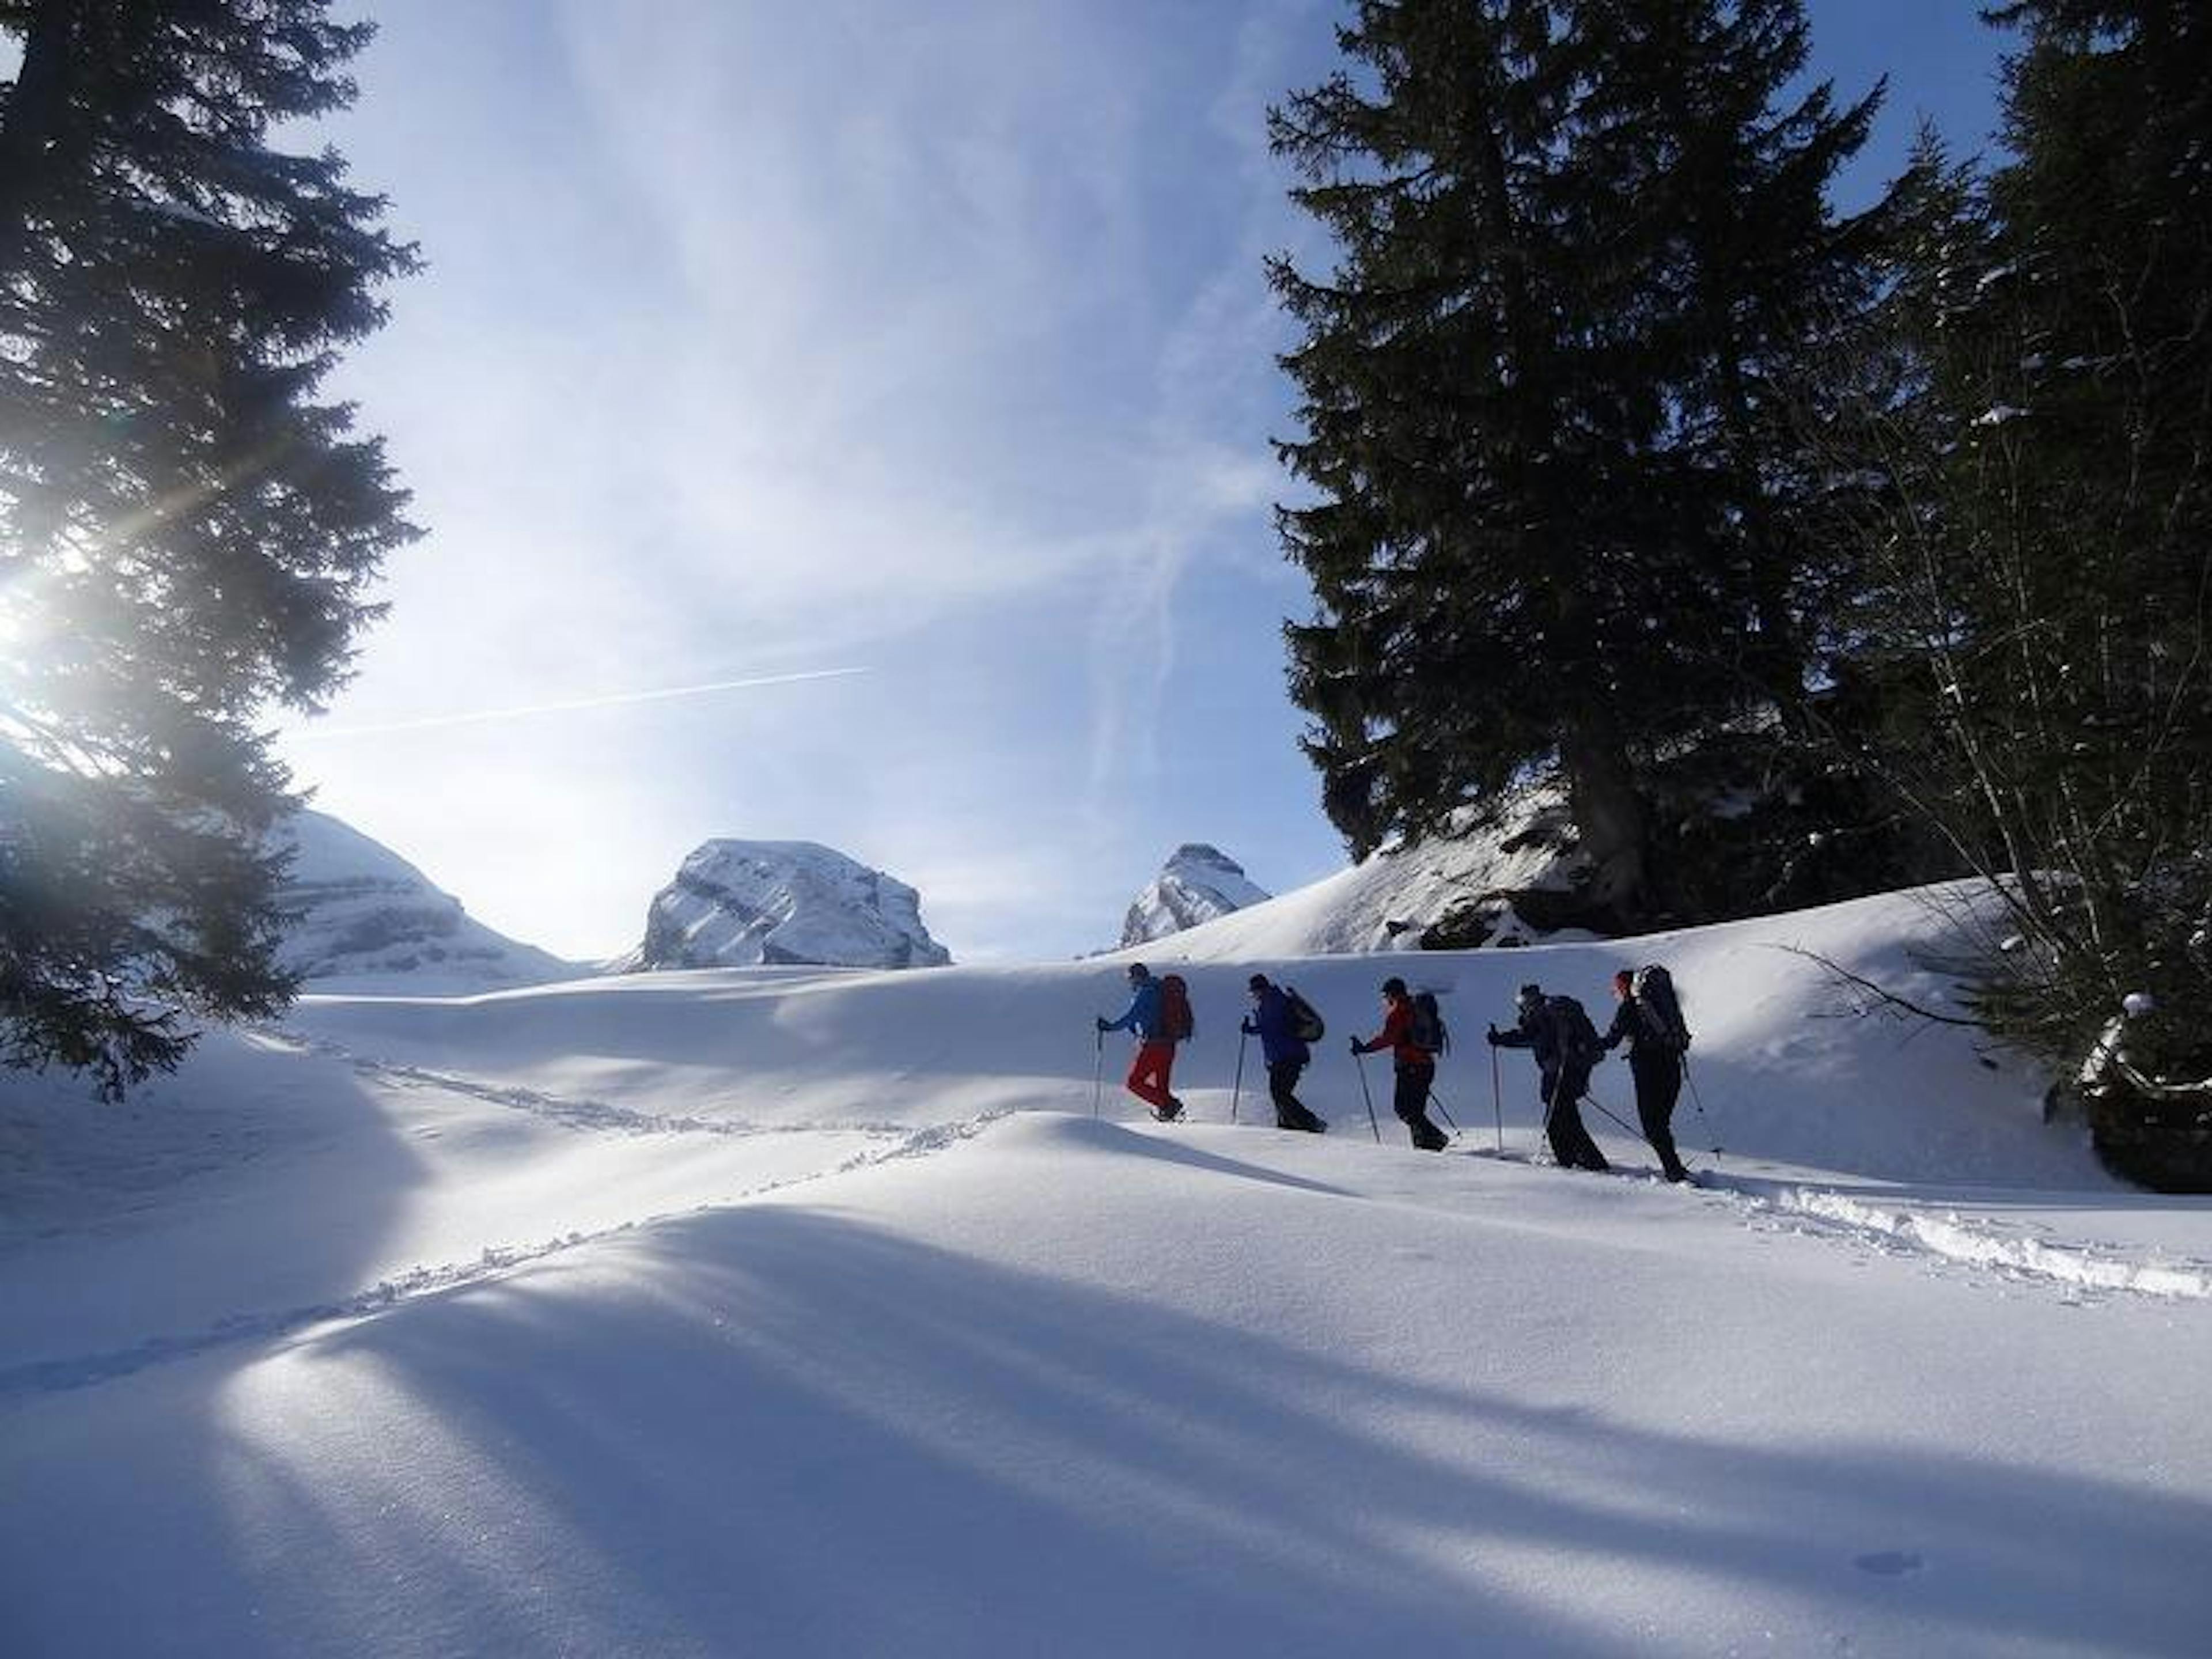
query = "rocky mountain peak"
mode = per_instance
[
  {"x": 748, "y": 903},
  {"x": 1197, "y": 883}
]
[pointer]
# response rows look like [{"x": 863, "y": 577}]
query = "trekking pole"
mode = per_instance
[
  {"x": 1544, "y": 1134},
  {"x": 1437, "y": 1101},
  {"x": 1362, "y": 1065},
  {"x": 1497, "y": 1099},
  {"x": 1098, "y": 1075},
  {"x": 1592, "y": 1100},
  {"x": 1242, "y": 1036},
  {"x": 1698, "y": 1100}
]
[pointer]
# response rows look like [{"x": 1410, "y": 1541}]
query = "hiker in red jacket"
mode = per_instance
[{"x": 1416, "y": 1066}]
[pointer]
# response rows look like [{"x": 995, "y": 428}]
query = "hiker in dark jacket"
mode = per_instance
[
  {"x": 1656, "y": 1062},
  {"x": 1276, "y": 1024},
  {"x": 1564, "y": 1076},
  {"x": 1416, "y": 1066}
]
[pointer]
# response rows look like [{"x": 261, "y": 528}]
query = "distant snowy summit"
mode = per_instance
[
  {"x": 1199, "y": 884},
  {"x": 748, "y": 903},
  {"x": 367, "y": 919}
]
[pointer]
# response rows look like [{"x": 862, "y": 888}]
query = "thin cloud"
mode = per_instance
[{"x": 614, "y": 699}]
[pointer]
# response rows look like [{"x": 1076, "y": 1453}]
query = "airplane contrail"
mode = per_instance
[{"x": 431, "y": 722}]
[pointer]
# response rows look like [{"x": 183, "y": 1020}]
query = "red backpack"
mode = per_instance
[{"x": 1175, "y": 1021}]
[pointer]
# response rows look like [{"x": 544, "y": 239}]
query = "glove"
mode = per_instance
[
  {"x": 1357, "y": 1050},
  {"x": 1103, "y": 1022},
  {"x": 1247, "y": 1027},
  {"x": 1492, "y": 1035}
]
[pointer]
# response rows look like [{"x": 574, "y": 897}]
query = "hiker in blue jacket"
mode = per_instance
[
  {"x": 1275, "y": 1023},
  {"x": 1155, "y": 1058}
]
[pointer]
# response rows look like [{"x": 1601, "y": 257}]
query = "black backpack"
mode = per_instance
[
  {"x": 1306, "y": 1022},
  {"x": 1573, "y": 1035},
  {"x": 1652, "y": 990},
  {"x": 1428, "y": 1033}
]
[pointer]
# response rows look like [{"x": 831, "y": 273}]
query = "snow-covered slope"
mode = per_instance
[
  {"x": 1786, "y": 1064},
  {"x": 1196, "y": 884},
  {"x": 1482, "y": 881},
  {"x": 815, "y": 1312},
  {"x": 368, "y": 919},
  {"x": 742, "y": 903}
]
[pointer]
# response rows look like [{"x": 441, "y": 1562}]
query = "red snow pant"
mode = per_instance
[{"x": 1148, "y": 1073}]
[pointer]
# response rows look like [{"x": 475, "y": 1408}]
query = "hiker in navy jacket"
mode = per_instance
[
  {"x": 1274, "y": 1022},
  {"x": 1155, "y": 1060}
]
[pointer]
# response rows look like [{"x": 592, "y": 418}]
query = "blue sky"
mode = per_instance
[{"x": 907, "y": 372}]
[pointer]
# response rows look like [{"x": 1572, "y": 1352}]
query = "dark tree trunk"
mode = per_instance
[
  {"x": 32, "y": 121},
  {"x": 1609, "y": 812}
]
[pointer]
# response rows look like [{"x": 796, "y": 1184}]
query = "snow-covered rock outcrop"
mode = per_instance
[
  {"x": 1504, "y": 880},
  {"x": 1199, "y": 884},
  {"x": 746, "y": 904},
  {"x": 367, "y": 919}
]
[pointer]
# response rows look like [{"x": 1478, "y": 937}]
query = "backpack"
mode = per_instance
[
  {"x": 1306, "y": 1022},
  {"x": 1428, "y": 1033},
  {"x": 1175, "y": 1021},
  {"x": 1577, "y": 1039},
  {"x": 1652, "y": 990}
]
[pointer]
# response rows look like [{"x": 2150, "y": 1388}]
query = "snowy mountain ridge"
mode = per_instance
[{"x": 366, "y": 917}]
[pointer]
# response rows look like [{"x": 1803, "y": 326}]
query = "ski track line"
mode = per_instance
[
  {"x": 1954, "y": 1237},
  {"x": 569, "y": 1112},
  {"x": 50, "y": 1377},
  {"x": 1949, "y": 1237}
]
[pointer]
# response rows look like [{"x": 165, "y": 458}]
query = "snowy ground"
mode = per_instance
[{"x": 788, "y": 1312}]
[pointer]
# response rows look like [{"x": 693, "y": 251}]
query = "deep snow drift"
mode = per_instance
[{"x": 811, "y": 1312}]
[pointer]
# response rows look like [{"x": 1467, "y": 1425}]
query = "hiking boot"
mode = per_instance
[
  {"x": 1678, "y": 1173},
  {"x": 1169, "y": 1113}
]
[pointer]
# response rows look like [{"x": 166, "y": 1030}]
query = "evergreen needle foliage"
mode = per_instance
[
  {"x": 187, "y": 533},
  {"x": 2040, "y": 573},
  {"x": 1585, "y": 265}
]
